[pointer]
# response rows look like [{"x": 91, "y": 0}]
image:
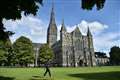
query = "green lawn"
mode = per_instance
[{"x": 82, "y": 73}]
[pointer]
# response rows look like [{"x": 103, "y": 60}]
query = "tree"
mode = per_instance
[
  {"x": 12, "y": 9},
  {"x": 10, "y": 61},
  {"x": 89, "y": 4},
  {"x": 115, "y": 55},
  {"x": 2, "y": 56},
  {"x": 4, "y": 51},
  {"x": 23, "y": 50},
  {"x": 101, "y": 54},
  {"x": 45, "y": 56}
]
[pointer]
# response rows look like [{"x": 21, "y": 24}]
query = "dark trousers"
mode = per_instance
[{"x": 47, "y": 71}]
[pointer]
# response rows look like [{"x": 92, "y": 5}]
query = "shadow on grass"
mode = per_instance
[
  {"x": 40, "y": 78},
  {"x": 98, "y": 76},
  {"x": 36, "y": 76},
  {"x": 6, "y": 78}
]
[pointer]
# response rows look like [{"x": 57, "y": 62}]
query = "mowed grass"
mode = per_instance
[{"x": 80, "y": 73}]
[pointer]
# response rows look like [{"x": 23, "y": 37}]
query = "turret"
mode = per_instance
[
  {"x": 63, "y": 29},
  {"x": 91, "y": 48},
  {"x": 90, "y": 41},
  {"x": 89, "y": 33}
]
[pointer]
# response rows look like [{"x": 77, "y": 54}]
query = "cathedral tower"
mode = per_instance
[{"x": 52, "y": 29}]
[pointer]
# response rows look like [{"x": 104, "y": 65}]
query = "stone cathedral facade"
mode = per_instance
[{"x": 73, "y": 49}]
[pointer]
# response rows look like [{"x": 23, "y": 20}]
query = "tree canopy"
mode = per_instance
[
  {"x": 100, "y": 54},
  {"x": 23, "y": 50},
  {"x": 115, "y": 55},
  {"x": 89, "y": 4},
  {"x": 5, "y": 51},
  {"x": 12, "y": 9},
  {"x": 45, "y": 54}
]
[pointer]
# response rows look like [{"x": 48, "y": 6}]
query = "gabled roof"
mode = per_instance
[
  {"x": 37, "y": 45},
  {"x": 77, "y": 31}
]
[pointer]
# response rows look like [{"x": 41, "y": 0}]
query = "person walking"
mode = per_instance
[{"x": 47, "y": 69}]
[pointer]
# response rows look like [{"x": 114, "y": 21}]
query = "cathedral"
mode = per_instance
[{"x": 72, "y": 50}]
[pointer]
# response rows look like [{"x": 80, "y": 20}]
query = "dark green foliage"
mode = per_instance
[
  {"x": 100, "y": 54},
  {"x": 5, "y": 48},
  {"x": 45, "y": 54},
  {"x": 10, "y": 57},
  {"x": 115, "y": 55},
  {"x": 2, "y": 57},
  {"x": 4, "y": 51},
  {"x": 4, "y": 35},
  {"x": 89, "y": 4},
  {"x": 23, "y": 50},
  {"x": 12, "y": 9}
]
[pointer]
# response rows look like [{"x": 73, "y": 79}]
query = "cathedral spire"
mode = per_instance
[
  {"x": 52, "y": 28},
  {"x": 52, "y": 18},
  {"x": 89, "y": 32},
  {"x": 63, "y": 26}
]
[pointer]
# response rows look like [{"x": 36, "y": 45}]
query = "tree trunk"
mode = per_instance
[
  {"x": 1, "y": 25},
  {"x": 2, "y": 32}
]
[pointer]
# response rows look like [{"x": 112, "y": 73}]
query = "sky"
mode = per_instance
[{"x": 104, "y": 24}]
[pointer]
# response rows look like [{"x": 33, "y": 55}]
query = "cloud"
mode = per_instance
[
  {"x": 95, "y": 27},
  {"x": 105, "y": 41},
  {"x": 29, "y": 26},
  {"x": 10, "y": 24}
]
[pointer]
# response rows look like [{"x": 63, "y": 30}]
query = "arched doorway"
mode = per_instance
[{"x": 80, "y": 62}]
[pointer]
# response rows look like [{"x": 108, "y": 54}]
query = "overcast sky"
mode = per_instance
[{"x": 104, "y": 24}]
